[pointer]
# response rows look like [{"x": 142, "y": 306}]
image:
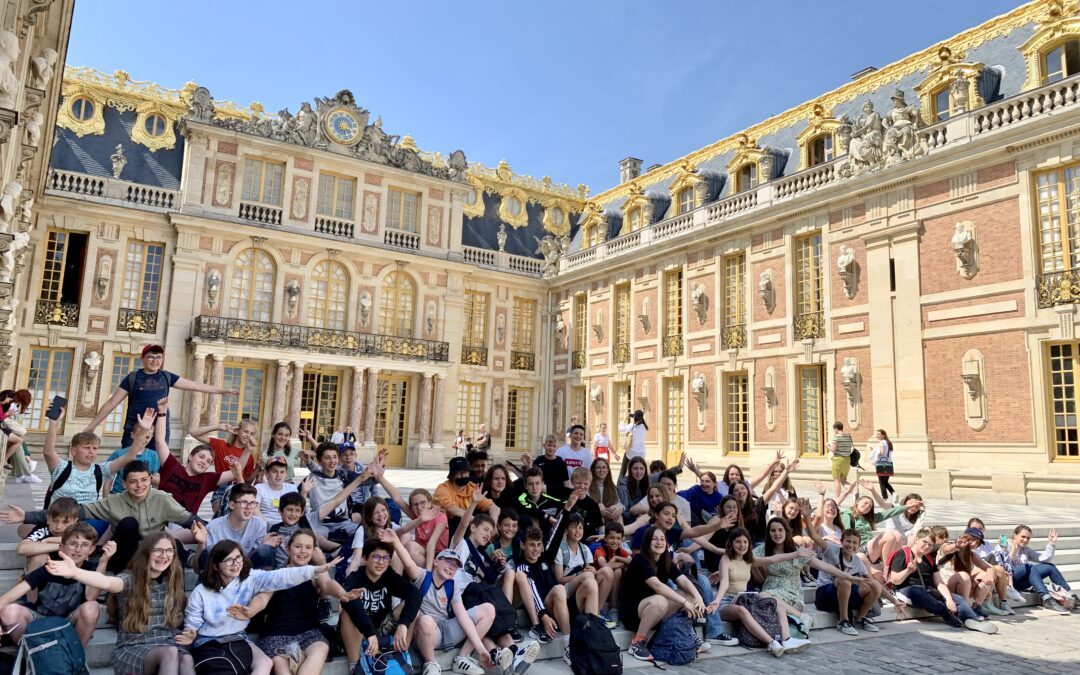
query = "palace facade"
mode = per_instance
[{"x": 898, "y": 253}]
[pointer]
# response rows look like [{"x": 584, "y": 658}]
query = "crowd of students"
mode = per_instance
[{"x": 557, "y": 535}]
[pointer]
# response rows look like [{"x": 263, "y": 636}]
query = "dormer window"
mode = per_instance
[
  {"x": 82, "y": 108},
  {"x": 634, "y": 219},
  {"x": 686, "y": 200},
  {"x": 747, "y": 177},
  {"x": 821, "y": 149},
  {"x": 942, "y": 99},
  {"x": 154, "y": 125},
  {"x": 1062, "y": 61}
]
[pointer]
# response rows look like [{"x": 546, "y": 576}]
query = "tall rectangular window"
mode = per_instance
[
  {"x": 518, "y": 413},
  {"x": 62, "y": 273},
  {"x": 470, "y": 406},
  {"x": 122, "y": 364},
  {"x": 673, "y": 303},
  {"x": 624, "y": 405},
  {"x": 476, "y": 311},
  {"x": 808, "y": 281},
  {"x": 403, "y": 210},
  {"x": 686, "y": 200},
  {"x": 1058, "y": 194},
  {"x": 142, "y": 276},
  {"x": 524, "y": 321},
  {"x": 581, "y": 319},
  {"x": 811, "y": 410},
  {"x": 734, "y": 290},
  {"x": 50, "y": 375},
  {"x": 578, "y": 404},
  {"x": 1064, "y": 374},
  {"x": 622, "y": 314},
  {"x": 248, "y": 380},
  {"x": 336, "y": 195},
  {"x": 737, "y": 413},
  {"x": 262, "y": 181},
  {"x": 674, "y": 418}
]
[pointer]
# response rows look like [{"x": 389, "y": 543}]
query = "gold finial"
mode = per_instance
[
  {"x": 257, "y": 108},
  {"x": 407, "y": 143},
  {"x": 122, "y": 78},
  {"x": 503, "y": 171},
  {"x": 546, "y": 180},
  {"x": 583, "y": 190}
]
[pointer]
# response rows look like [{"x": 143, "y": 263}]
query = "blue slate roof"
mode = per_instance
[
  {"x": 482, "y": 232},
  {"x": 90, "y": 154}
]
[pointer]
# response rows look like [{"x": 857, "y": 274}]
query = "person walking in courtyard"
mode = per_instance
[
  {"x": 840, "y": 448},
  {"x": 635, "y": 431},
  {"x": 882, "y": 458}
]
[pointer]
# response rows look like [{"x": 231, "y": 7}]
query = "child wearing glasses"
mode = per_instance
[
  {"x": 243, "y": 527},
  {"x": 146, "y": 603}
]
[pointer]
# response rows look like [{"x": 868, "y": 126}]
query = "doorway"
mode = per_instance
[
  {"x": 391, "y": 417},
  {"x": 319, "y": 403}
]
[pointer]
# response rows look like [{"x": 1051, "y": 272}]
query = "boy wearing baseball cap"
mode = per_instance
[
  {"x": 273, "y": 489},
  {"x": 455, "y": 494}
]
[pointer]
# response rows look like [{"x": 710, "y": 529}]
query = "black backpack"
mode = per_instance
[
  {"x": 593, "y": 651},
  {"x": 99, "y": 476}
]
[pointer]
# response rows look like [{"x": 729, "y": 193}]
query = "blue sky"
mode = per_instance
[{"x": 556, "y": 88}]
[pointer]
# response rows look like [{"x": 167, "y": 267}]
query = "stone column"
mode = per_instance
[
  {"x": 425, "y": 409},
  {"x": 369, "y": 413},
  {"x": 198, "y": 372},
  {"x": 217, "y": 378},
  {"x": 297, "y": 389},
  {"x": 357, "y": 401},
  {"x": 436, "y": 418},
  {"x": 280, "y": 397}
]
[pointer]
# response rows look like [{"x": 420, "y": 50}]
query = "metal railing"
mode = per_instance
[
  {"x": 317, "y": 339},
  {"x": 1057, "y": 288},
  {"x": 137, "y": 320},
  {"x": 522, "y": 361},
  {"x": 809, "y": 325},
  {"x": 474, "y": 355},
  {"x": 578, "y": 360},
  {"x": 55, "y": 313},
  {"x": 620, "y": 353},
  {"x": 733, "y": 337},
  {"x": 673, "y": 346}
]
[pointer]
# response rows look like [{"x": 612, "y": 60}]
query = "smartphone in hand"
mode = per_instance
[{"x": 57, "y": 404}]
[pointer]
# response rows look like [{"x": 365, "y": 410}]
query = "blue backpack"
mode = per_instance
[
  {"x": 675, "y": 642},
  {"x": 51, "y": 647},
  {"x": 384, "y": 663}
]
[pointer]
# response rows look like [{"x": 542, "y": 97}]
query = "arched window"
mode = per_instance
[
  {"x": 686, "y": 200},
  {"x": 82, "y": 108},
  {"x": 747, "y": 178},
  {"x": 251, "y": 295},
  {"x": 942, "y": 100},
  {"x": 1062, "y": 61},
  {"x": 821, "y": 149},
  {"x": 329, "y": 295},
  {"x": 396, "y": 305}
]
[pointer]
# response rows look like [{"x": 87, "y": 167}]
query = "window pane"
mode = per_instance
[
  {"x": 942, "y": 105},
  {"x": 50, "y": 373},
  {"x": 122, "y": 365}
]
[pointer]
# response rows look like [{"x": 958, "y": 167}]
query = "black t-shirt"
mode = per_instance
[
  {"x": 634, "y": 588},
  {"x": 57, "y": 596},
  {"x": 144, "y": 390},
  {"x": 293, "y": 611},
  {"x": 376, "y": 600},
  {"x": 590, "y": 513},
  {"x": 757, "y": 526},
  {"x": 555, "y": 473},
  {"x": 923, "y": 574},
  {"x": 719, "y": 540}
]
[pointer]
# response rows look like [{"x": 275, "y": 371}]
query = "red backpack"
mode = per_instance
[{"x": 908, "y": 555}]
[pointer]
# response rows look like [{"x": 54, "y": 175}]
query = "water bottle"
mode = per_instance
[{"x": 1003, "y": 541}]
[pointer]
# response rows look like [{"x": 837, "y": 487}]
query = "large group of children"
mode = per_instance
[{"x": 561, "y": 536}]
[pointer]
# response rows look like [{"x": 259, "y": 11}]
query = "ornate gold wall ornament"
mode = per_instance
[
  {"x": 635, "y": 200},
  {"x": 141, "y": 135},
  {"x": 821, "y": 122},
  {"x": 593, "y": 219},
  {"x": 749, "y": 153},
  {"x": 476, "y": 209},
  {"x": 514, "y": 199},
  {"x": 959, "y": 44},
  {"x": 1055, "y": 31},
  {"x": 499, "y": 180},
  {"x": 94, "y": 125},
  {"x": 948, "y": 74},
  {"x": 687, "y": 177}
]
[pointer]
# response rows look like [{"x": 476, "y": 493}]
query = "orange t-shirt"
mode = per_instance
[{"x": 223, "y": 450}]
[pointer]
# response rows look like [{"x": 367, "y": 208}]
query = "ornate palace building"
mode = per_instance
[{"x": 898, "y": 253}]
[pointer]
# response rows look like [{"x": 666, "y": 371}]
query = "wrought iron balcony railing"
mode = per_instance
[
  {"x": 733, "y": 337},
  {"x": 317, "y": 339},
  {"x": 577, "y": 360},
  {"x": 137, "y": 320},
  {"x": 673, "y": 346},
  {"x": 809, "y": 325},
  {"x": 620, "y": 353},
  {"x": 474, "y": 355},
  {"x": 1058, "y": 288},
  {"x": 522, "y": 361},
  {"x": 56, "y": 313}
]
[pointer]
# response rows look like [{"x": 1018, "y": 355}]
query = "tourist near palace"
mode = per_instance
[{"x": 899, "y": 253}]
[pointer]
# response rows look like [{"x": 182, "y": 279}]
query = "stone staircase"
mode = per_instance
[{"x": 99, "y": 651}]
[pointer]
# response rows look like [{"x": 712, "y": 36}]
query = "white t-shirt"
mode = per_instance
[
  {"x": 435, "y": 603},
  {"x": 269, "y": 499},
  {"x": 80, "y": 485},
  {"x": 570, "y": 560},
  {"x": 358, "y": 538},
  {"x": 574, "y": 458},
  {"x": 601, "y": 441},
  {"x": 637, "y": 439}
]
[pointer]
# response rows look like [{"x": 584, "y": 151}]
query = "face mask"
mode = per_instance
[{"x": 462, "y": 482}]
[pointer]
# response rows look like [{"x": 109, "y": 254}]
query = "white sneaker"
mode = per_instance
[
  {"x": 981, "y": 626},
  {"x": 526, "y": 654},
  {"x": 1015, "y": 595},
  {"x": 503, "y": 658},
  {"x": 795, "y": 645},
  {"x": 33, "y": 465},
  {"x": 33, "y": 478},
  {"x": 466, "y": 665},
  {"x": 22, "y": 479},
  {"x": 776, "y": 649},
  {"x": 432, "y": 668}
]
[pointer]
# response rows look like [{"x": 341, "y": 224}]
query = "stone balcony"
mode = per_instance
[
  {"x": 987, "y": 125},
  {"x": 326, "y": 340},
  {"x": 111, "y": 191}
]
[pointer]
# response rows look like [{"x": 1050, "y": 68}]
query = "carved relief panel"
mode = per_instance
[
  {"x": 224, "y": 178},
  {"x": 434, "y": 226},
  {"x": 301, "y": 192},
  {"x": 369, "y": 217}
]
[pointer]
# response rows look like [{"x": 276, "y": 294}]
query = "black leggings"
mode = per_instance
[{"x": 883, "y": 481}]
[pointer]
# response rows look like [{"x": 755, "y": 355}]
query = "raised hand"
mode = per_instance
[
  {"x": 690, "y": 463},
  {"x": 794, "y": 465},
  {"x": 526, "y": 461},
  {"x": 146, "y": 420},
  {"x": 573, "y": 499},
  {"x": 198, "y": 533},
  {"x": 319, "y": 569},
  {"x": 108, "y": 550},
  {"x": 272, "y": 539},
  {"x": 805, "y": 552},
  {"x": 865, "y": 484},
  {"x": 779, "y": 457},
  {"x": 13, "y": 516},
  {"x": 1051, "y": 536},
  {"x": 387, "y": 535},
  {"x": 307, "y": 485},
  {"x": 64, "y": 567},
  {"x": 819, "y": 488},
  {"x": 429, "y": 514},
  {"x": 163, "y": 405},
  {"x": 477, "y": 493},
  {"x": 241, "y": 612}
]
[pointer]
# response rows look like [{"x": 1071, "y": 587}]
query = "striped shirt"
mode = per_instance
[{"x": 843, "y": 445}]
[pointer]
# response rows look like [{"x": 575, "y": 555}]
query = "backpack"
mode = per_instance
[
  {"x": 855, "y": 458},
  {"x": 223, "y": 657},
  {"x": 763, "y": 610},
  {"x": 906, "y": 550},
  {"x": 593, "y": 650},
  {"x": 478, "y": 593},
  {"x": 384, "y": 663},
  {"x": 99, "y": 478},
  {"x": 675, "y": 642},
  {"x": 448, "y": 588},
  {"x": 50, "y": 646}
]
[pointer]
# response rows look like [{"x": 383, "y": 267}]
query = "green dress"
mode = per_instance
[{"x": 783, "y": 579}]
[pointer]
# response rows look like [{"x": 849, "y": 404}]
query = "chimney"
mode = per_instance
[
  {"x": 652, "y": 168},
  {"x": 629, "y": 169},
  {"x": 863, "y": 73}
]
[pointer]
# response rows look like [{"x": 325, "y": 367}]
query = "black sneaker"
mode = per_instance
[
  {"x": 640, "y": 651},
  {"x": 538, "y": 633},
  {"x": 516, "y": 635},
  {"x": 953, "y": 620},
  {"x": 724, "y": 640}
]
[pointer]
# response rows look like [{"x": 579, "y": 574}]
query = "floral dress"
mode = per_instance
[{"x": 782, "y": 580}]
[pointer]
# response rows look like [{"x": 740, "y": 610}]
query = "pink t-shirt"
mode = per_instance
[{"x": 423, "y": 532}]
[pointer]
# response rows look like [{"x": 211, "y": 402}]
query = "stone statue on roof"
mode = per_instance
[
  {"x": 866, "y": 136},
  {"x": 201, "y": 107},
  {"x": 900, "y": 142},
  {"x": 307, "y": 124},
  {"x": 458, "y": 165}
]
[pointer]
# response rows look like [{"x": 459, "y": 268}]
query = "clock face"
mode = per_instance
[{"x": 343, "y": 127}]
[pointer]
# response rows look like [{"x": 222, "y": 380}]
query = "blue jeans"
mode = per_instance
[
  {"x": 923, "y": 599},
  {"x": 1031, "y": 576}
]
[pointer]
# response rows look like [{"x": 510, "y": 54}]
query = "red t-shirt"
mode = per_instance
[
  {"x": 223, "y": 450},
  {"x": 602, "y": 552},
  {"x": 188, "y": 490}
]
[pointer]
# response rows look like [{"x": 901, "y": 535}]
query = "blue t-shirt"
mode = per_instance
[
  {"x": 148, "y": 455},
  {"x": 144, "y": 390}
]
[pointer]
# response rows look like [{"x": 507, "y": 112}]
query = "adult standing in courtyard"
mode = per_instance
[
  {"x": 840, "y": 446},
  {"x": 145, "y": 387},
  {"x": 483, "y": 439},
  {"x": 635, "y": 431}
]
